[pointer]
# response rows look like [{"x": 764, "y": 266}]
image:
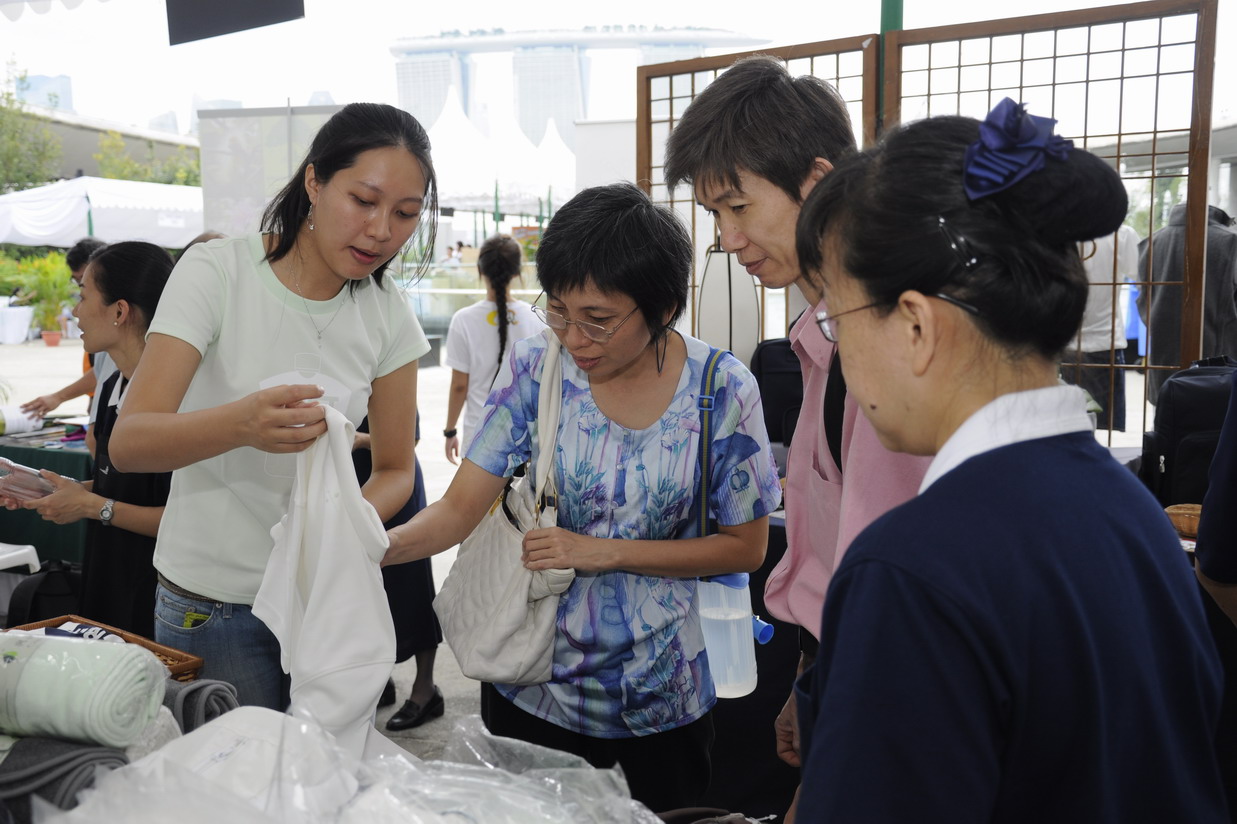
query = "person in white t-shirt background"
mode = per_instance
[
  {"x": 480, "y": 336},
  {"x": 1110, "y": 261}
]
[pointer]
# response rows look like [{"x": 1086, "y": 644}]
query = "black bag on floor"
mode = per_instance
[
  {"x": 55, "y": 590},
  {"x": 1177, "y": 453}
]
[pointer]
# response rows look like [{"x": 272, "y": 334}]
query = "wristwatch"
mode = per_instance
[{"x": 105, "y": 514}]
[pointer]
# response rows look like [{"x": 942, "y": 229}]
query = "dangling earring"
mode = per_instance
[
  {"x": 661, "y": 356},
  {"x": 310, "y": 217}
]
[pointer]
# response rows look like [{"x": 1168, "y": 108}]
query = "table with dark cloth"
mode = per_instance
[{"x": 53, "y": 541}]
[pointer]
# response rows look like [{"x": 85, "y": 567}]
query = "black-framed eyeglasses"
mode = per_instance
[
  {"x": 592, "y": 331},
  {"x": 829, "y": 323}
]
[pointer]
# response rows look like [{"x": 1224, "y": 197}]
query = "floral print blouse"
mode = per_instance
[{"x": 629, "y": 656}]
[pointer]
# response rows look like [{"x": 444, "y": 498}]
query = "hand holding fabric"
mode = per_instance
[{"x": 282, "y": 419}]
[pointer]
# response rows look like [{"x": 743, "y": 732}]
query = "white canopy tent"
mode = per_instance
[{"x": 60, "y": 214}]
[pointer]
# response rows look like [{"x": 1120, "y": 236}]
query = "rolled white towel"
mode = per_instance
[{"x": 87, "y": 691}]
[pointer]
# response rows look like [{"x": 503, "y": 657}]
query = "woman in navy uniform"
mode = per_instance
[{"x": 1024, "y": 641}]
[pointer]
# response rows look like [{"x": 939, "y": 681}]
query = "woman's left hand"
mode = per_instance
[
  {"x": 69, "y": 503},
  {"x": 558, "y": 548}
]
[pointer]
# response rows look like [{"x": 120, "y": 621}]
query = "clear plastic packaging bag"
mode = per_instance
[
  {"x": 22, "y": 483},
  {"x": 485, "y": 778},
  {"x": 79, "y": 690},
  {"x": 249, "y": 766},
  {"x": 256, "y": 766}
]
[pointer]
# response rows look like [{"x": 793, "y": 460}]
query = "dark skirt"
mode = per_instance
[{"x": 410, "y": 586}]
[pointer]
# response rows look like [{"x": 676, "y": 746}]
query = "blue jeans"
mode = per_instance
[{"x": 235, "y": 646}]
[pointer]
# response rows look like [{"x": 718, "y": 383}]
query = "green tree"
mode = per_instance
[
  {"x": 29, "y": 152},
  {"x": 181, "y": 169},
  {"x": 1150, "y": 213}
]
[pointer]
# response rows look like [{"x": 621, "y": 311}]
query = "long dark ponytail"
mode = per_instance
[{"x": 499, "y": 262}]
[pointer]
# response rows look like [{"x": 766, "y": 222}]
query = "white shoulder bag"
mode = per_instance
[{"x": 498, "y": 617}]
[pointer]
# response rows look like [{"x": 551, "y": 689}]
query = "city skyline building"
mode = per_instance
[
  {"x": 551, "y": 71},
  {"x": 166, "y": 122},
  {"x": 199, "y": 104},
  {"x": 48, "y": 92}
]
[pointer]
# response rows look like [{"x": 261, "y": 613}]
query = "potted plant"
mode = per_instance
[
  {"x": 47, "y": 287},
  {"x": 14, "y": 318}
]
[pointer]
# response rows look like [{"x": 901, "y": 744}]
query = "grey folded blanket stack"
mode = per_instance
[
  {"x": 55, "y": 770},
  {"x": 193, "y": 703}
]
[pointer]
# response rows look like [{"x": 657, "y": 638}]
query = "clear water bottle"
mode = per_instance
[{"x": 730, "y": 632}]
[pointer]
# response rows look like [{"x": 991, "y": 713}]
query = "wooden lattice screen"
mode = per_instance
[
  {"x": 1131, "y": 83},
  {"x": 666, "y": 89}
]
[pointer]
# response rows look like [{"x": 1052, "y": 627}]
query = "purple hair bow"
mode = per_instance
[{"x": 1011, "y": 145}]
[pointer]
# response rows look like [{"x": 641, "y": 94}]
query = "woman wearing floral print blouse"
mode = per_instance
[{"x": 631, "y": 682}]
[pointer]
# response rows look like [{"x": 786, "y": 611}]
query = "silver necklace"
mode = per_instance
[{"x": 296, "y": 281}]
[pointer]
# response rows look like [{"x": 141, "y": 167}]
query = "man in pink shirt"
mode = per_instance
[{"x": 753, "y": 144}]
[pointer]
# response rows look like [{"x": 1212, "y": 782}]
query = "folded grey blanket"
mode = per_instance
[
  {"x": 193, "y": 703},
  {"x": 56, "y": 770}
]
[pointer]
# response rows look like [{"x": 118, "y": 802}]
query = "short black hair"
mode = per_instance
[
  {"x": 354, "y": 129},
  {"x": 882, "y": 209},
  {"x": 79, "y": 255},
  {"x": 132, "y": 271},
  {"x": 614, "y": 238},
  {"x": 209, "y": 234},
  {"x": 756, "y": 116}
]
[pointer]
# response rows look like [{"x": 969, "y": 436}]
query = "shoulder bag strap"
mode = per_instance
[
  {"x": 23, "y": 598},
  {"x": 708, "y": 386},
  {"x": 835, "y": 410},
  {"x": 549, "y": 404}
]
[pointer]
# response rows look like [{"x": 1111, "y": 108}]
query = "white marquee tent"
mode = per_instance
[{"x": 60, "y": 214}]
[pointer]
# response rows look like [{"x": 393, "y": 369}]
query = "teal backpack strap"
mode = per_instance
[{"x": 705, "y": 403}]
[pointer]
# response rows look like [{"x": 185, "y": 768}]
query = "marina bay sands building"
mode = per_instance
[{"x": 550, "y": 69}]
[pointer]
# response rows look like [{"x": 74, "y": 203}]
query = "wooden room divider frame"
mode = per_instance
[{"x": 1131, "y": 83}]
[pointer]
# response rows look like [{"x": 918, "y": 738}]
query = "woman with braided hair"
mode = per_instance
[{"x": 474, "y": 352}]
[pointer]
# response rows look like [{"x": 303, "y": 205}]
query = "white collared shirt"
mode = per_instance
[
  {"x": 1010, "y": 419},
  {"x": 119, "y": 390}
]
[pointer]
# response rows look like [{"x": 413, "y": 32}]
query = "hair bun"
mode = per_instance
[{"x": 1069, "y": 201}]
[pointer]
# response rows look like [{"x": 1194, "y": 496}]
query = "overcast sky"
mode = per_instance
[{"x": 122, "y": 68}]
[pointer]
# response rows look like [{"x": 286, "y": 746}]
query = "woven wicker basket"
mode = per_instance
[
  {"x": 181, "y": 665},
  {"x": 1185, "y": 518}
]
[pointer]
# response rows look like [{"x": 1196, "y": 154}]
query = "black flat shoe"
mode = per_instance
[
  {"x": 413, "y": 714},
  {"x": 388, "y": 694}
]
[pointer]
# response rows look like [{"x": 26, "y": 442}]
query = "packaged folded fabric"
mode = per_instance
[
  {"x": 194, "y": 703},
  {"x": 163, "y": 730},
  {"x": 287, "y": 767},
  {"x": 55, "y": 770},
  {"x": 86, "y": 691},
  {"x": 72, "y": 629}
]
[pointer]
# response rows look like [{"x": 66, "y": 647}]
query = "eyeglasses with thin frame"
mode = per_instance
[
  {"x": 829, "y": 323},
  {"x": 592, "y": 331}
]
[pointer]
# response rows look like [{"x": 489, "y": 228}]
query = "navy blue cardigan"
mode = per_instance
[{"x": 1023, "y": 642}]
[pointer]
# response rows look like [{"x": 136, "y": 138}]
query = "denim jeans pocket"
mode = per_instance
[{"x": 181, "y": 615}]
